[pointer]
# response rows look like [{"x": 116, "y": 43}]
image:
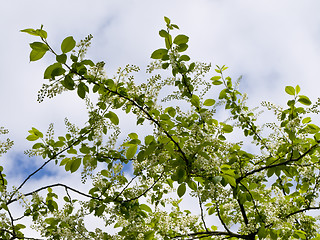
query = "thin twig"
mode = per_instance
[{"x": 54, "y": 185}]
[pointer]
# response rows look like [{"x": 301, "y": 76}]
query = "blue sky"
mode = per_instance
[{"x": 271, "y": 43}]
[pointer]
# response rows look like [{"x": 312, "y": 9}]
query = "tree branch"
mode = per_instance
[
  {"x": 201, "y": 210},
  {"x": 198, "y": 235},
  {"x": 43, "y": 165},
  {"x": 137, "y": 197},
  {"x": 54, "y": 185},
  {"x": 278, "y": 164}
]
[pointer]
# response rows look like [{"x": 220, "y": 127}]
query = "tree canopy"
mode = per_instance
[{"x": 263, "y": 184}]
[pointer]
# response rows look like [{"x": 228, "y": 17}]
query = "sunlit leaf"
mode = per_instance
[
  {"x": 68, "y": 44},
  {"x": 75, "y": 165},
  {"x": 290, "y": 90},
  {"x": 304, "y": 100},
  {"x": 158, "y": 54},
  {"x": 145, "y": 207},
  {"x": 36, "y": 55},
  {"x": 181, "y": 189},
  {"x": 131, "y": 151},
  {"x": 181, "y": 39},
  {"x": 113, "y": 117},
  {"x": 209, "y": 102}
]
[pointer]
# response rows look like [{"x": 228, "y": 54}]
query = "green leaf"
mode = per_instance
[
  {"x": 181, "y": 189},
  {"x": 42, "y": 33},
  {"x": 262, "y": 232},
  {"x": 84, "y": 149},
  {"x": 304, "y": 100},
  {"x": 181, "y": 39},
  {"x": 57, "y": 72},
  {"x": 167, "y": 20},
  {"x": 163, "y": 33},
  {"x": 211, "y": 210},
  {"x": 227, "y": 128},
  {"x": 216, "y": 82},
  {"x": 195, "y": 101},
  {"x": 36, "y": 132},
  {"x": 61, "y": 58},
  {"x": 313, "y": 128},
  {"x": 66, "y": 199},
  {"x": 149, "y": 235},
  {"x": 68, "y": 44},
  {"x": 148, "y": 139},
  {"x": 17, "y": 227},
  {"x": 58, "y": 144},
  {"x": 192, "y": 185},
  {"x": 32, "y": 137},
  {"x": 216, "y": 179},
  {"x": 36, "y": 55},
  {"x": 191, "y": 66},
  {"x": 48, "y": 71},
  {"x": 306, "y": 120},
  {"x": 72, "y": 151},
  {"x": 37, "y": 145},
  {"x": 30, "y": 31},
  {"x": 215, "y": 78},
  {"x": 68, "y": 82},
  {"x": 105, "y": 173},
  {"x": 181, "y": 174},
  {"x": 113, "y": 117},
  {"x": 75, "y": 165},
  {"x": 82, "y": 90},
  {"x": 184, "y": 58},
  {"x": 145, "y": 207},
  {"x": 133, "y": 135},
  {"x": 164, "y": 117},
  {"x": 131, "y": 151},
  {"x": 171, "y": 111},
  {"x": 182, "y": 47},
  {"x": 39, "y": 46},
  {"x": 64, "y": 161},
  {"x": 38, "y": 32},
  {"x": 168, "y": 42},
  {"x": 290, "y": 90},
  {"x": 298, "y": 89},
  {"x": 165, "y": 65},
  {"x": 99, "y": 211},
  {"x": 158, "y": 54},
  {"x": 209, "y": 102},
  {"x": 87, "y": 62},
  {"x": 229, "y": 179}
]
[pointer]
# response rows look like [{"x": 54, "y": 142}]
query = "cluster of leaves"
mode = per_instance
[{"x": 265, "y": 193}]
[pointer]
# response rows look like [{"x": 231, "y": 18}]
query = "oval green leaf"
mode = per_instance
[
  {"x": 39, "y": 46},
  {"x": 227, "y": 128},
  {"x": 36, "y": 55},
  {"x": 61, "y": 58},
  {"x": 181, "y": 39},
  {"x": 68, "y": 44},
  {"x": 32, "y": 137},
  {"x": 68, "y": 83},
  {"x": 158, "y": 54},
  {"x": 145, "y": 207},
  {"x": 75, "y": 165},
  {"x": 209, "y": 102},
  {"x": 131, "y": 151},
  {"x": 181, "y": 189},
  {"x": 304, "y": 100},
  {"x": 113, "y": 117},
  {"x": 290, "y": 90}
]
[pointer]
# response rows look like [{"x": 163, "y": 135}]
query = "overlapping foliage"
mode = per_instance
[{"x": 189, "y": 155}]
